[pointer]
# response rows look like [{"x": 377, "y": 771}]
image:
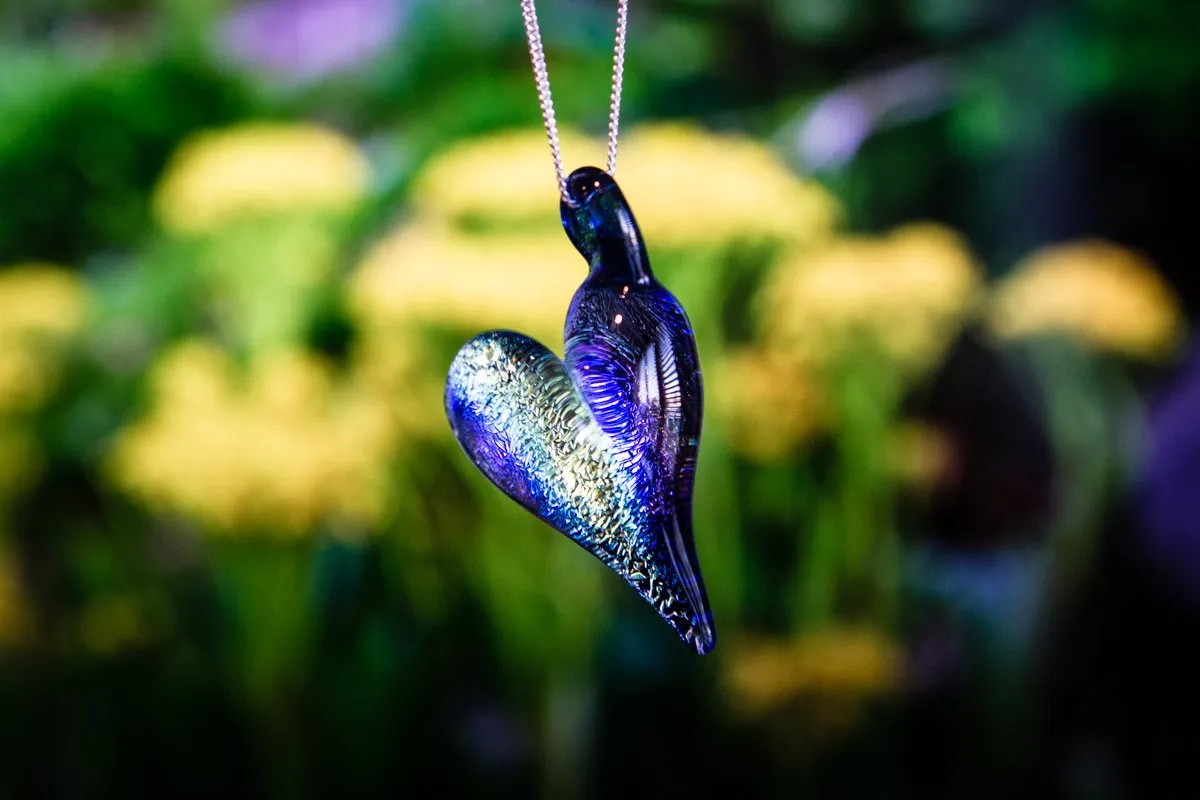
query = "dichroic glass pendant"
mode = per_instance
[{"x": 601, "y": 445}]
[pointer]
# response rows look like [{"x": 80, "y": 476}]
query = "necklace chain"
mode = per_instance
[
  {"x": 618, "y": 75},
  {"x": 541, "y": 76}
]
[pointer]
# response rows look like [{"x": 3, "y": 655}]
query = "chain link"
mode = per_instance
[
  {"x": 541, "y": 76},
  {"x": 614, "y": 107}
]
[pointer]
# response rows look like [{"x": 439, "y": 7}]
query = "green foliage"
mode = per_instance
[{"x": 84, "y": 143}]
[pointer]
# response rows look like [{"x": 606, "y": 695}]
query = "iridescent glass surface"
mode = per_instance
[{"x": 603, "y": 445}]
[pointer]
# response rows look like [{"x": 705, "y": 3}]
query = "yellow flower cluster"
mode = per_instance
[
  {"x": 814, "y": 686},
  {"x": 279, "y": 452},
  {"x": 426, "y": 273},
  {"x": 691, "y": 188},
  {"x": 1105, "y": 295},
  {"x": 41, "y": 307},
  {"x": 846, "y": 661},
  {"x": 505, "y": 178},
  {"x": 394, "y": 365},
  {"x": 262, "y": 168},
  {"x": 903, "y": 295},
  {"x": 688, "y": 187},
  {"x": 486, "y": 247}
]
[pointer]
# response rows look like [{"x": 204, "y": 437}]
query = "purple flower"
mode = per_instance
[
  {"x": 1169, "y": 491},
  {"x": 835, "y": 129},
  {"x": 304, "y": 40},
  {"x": 836, "y": 126}
]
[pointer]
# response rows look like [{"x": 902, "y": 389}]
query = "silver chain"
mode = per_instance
[
  {"x": 541, "y": 76},
  {"x": 614, "y": 99}
]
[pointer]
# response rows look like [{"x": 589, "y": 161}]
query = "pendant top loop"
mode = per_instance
[{"x": 601, "y": 225}]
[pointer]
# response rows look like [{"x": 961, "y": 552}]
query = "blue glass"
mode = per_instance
[{"x": 602, "y": 446}]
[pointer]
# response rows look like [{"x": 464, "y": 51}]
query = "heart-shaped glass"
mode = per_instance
[{"x": 602, "y": 446}]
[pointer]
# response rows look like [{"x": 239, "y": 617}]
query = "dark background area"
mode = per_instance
[{"x": 255, "y": 234}]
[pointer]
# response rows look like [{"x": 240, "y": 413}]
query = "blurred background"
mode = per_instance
[{"x": 939, "y": 255}]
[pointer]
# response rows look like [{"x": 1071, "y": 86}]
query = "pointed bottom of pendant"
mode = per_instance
[{"x": 702, "y": 638}]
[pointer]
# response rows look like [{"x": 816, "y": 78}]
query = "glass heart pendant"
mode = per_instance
[{"x": 601, "y": 445}]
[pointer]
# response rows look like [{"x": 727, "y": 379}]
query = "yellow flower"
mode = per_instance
[
  {"x": 40, "y": 307},
  {"x": 858, "y": 662},
  {"x": 41, "y": 299},
  {"x": 192, "y": 378},
  {"x": 24, "y": 378},
  {"x": 1105, "y": 295},
  {"x": 771, "y": 405},
  {"x": 813, "y": 687},
  {"x": 692, "y": 188},
  {"x": 280, "y": 451},
  {"x": 427, "y": 273},
  {"x": 904, "y": 295},
  {"x": 258, "y": 168},
  {"x": 687, "y": 187},
  {"x": 391, "y": 362},
  {"x": 486, "y": 247},
  {"x": 504, "y": 177}
]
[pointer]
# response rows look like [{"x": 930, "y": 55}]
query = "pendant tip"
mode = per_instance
[{"x": 703, "y": 636}]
